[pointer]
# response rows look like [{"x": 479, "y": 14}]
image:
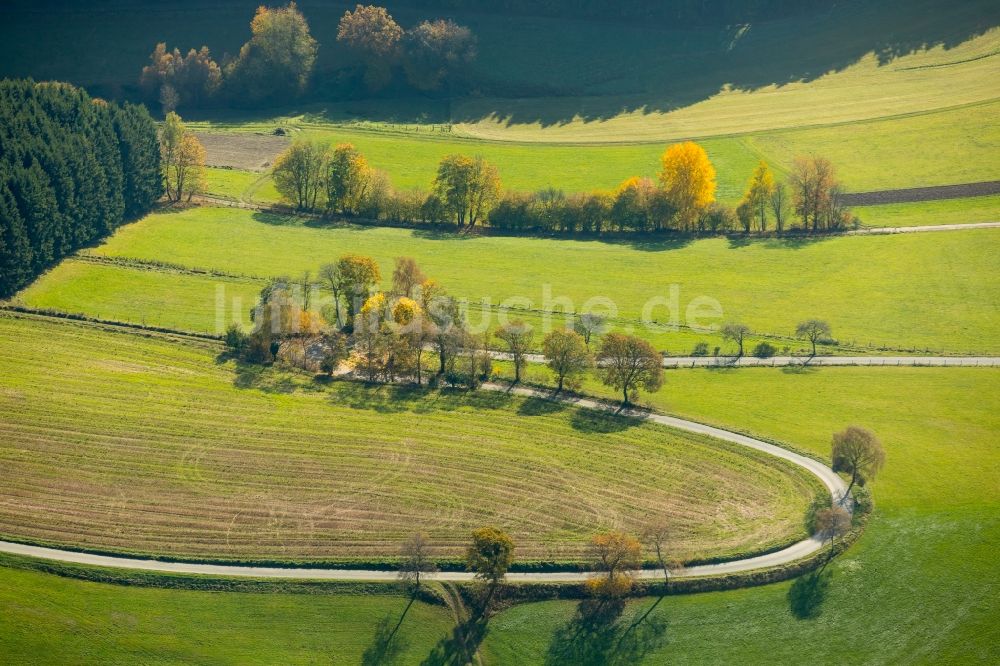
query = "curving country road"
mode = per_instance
[{"x": 830, "y": 479}]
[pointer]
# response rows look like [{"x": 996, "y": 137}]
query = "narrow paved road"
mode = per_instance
[
  {"x": 830, "y": 479},
  {"x": 780, "y": 361}
]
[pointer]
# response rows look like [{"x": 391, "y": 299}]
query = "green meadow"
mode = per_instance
[
  {"x": 875, "y": 291},
  {"x": 50, "y": 619},
  {"x": 918, "y": 587}
]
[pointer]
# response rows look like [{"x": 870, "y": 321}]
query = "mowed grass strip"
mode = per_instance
[
  {"x": 928, "y": 552},
  {"x": 968, "y": 210},
  {"x": 123, "y": 442},
  {"x": 921, "y": 291}
]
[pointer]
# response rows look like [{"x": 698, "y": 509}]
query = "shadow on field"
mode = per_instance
[
  {"x": 793, "y": 241},
  {"x": 461, "y": 647},
  {"x": 387, "y": 647},
  {"x": 806, "y": 595},
  {"x": 602, "y": 422},
  {"x": 800, "y": 369},
  {"x": 598, "y": 635},
  {"x": 800, "y": 46},
  {"x": 538, "y": 406},
  {"x": 396, "y": 398},
  {"x": 252, "y": 376}
]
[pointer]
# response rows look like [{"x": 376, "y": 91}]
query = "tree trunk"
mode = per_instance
[{"x": 854, "y": 477}]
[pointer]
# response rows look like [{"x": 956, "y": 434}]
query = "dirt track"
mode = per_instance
[
  {"x": 252, "y": 152},
  {"x": 922, "y": 193}
]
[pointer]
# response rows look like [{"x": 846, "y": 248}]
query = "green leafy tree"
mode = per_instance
[
  {"x": 299, "y": 174},
  {"x": 517, "y": 335},
  {"x": 757, "y": 199},
  {"x": 627, "y": 363},
  {"x": 436, "y": 53},
  {"x": 277, "y": 62},
  {"x": 348, "y": 179},
  {"x": 567, "y": 356},
  {"x": 352, "y": 279},
  {"x": 858, "y": 452},
  {"x": 374, "y": 36},
  {"x": 468, "y": 187}
]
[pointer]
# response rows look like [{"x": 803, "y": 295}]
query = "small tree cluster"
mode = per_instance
[
  {"x": 275, "y": 64},
  {"x": 433, "y": 54},
  {"x": 177, "y": 80}
]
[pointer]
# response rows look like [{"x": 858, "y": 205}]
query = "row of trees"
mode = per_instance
[
  {"x": 278, "y": 62},
  {"x": 72, "y": 169},
  {"x": 467, "y": 191}
]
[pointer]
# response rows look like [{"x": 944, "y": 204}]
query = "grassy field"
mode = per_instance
[
  {"x": 579, "y": 80},
  {"x": 921, "y": 291},
  {"x": 233, "y": 183},
  {"x": 147, "y": 445},
  {"x": 48, "y": 619},
  {"x": 946, "y": 211},
  {"x": 896, "y": 94},
  {"x": 920, "y": 586},
  {"x": 872, "y": 155}
]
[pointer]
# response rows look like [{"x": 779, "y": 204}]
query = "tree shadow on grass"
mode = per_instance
[
  {"x": 539, "y": 406},
  {"x": 602, "y": 422},
  {"x": 794, "y": 241},
  {"x": 799, "y": 369},
  {"x": 806, "y": 595},
  {"x": 461, "y": 646},
  {"x": 252, "y": 376},
  {"x": 386, "y": 648},
  {"x": 396, "y": 398},
  {"x": 597, "y": 635}
]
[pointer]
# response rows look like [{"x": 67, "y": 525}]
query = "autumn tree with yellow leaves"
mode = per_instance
[
  {"x": 688, "y": 180},
  {"x": 756, "y": 201},
  {"x": 182, "y": 158},
  {"x": 348, "y": 179}
]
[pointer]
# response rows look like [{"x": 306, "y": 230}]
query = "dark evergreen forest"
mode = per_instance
[{"x": 72, "y": 169}]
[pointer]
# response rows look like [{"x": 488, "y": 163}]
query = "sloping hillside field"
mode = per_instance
[
  {"x": 923, "y": 291},
  {"x": 129, "y": 443}
]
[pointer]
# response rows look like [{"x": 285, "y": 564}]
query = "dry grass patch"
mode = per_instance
[{"x": 111, "y": 448}]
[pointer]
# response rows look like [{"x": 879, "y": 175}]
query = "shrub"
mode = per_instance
[
  {"x": 235, "y": 339},
  {"x": 863, "y": 502},
  {"x": 701, "y": 349},
  {"x": 764, "y": 350}
]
